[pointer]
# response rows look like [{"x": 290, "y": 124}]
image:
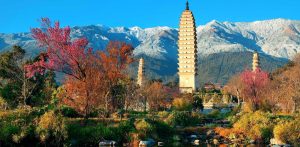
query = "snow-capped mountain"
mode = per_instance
[{"x": 278, "y": 38}]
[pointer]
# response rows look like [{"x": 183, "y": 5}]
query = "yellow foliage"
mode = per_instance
[
  {"x": 143, "y": 126},
  {"x": 163, "y": 114},
  {"x": 51, "y": 124},
  {"x": 18, "y": 137},
  {"x": 247, "y": 107},
  {"x": 253, "y": 125},
  {"x": 280, "y": 132},
  {"x": 288, "y": 132},
  {"x": 182, "y": 104},
  {"x": 3, "y": 104}
]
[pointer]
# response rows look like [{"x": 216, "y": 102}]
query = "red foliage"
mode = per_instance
[
  {"x": 90, "y": 76},
  {"x": 156, "y": 95},
  {"x": 62, "y": 54},
  {"x": 253, "y": 84},
  {"x": 115, "y": 59},
  {"x": 224, "y": 132}
]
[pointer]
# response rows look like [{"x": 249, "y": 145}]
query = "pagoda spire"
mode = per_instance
[
  {"x": 187, "y": 52},
  {"x": 256, "y": 61},
  {"x": 141, "y": 71},
  {"x": 187, "y": 5}
]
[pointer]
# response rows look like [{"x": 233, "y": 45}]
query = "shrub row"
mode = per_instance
[{"x": 261, "y": 126}]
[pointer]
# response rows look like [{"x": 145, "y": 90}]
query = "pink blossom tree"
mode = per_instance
[
  {"x": 61, "y": 54},
  {"x": 89, "y": 76},
  {"x": 253, "y": 85}
]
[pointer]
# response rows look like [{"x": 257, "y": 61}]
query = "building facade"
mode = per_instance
[{"x": 187, "y": 52}]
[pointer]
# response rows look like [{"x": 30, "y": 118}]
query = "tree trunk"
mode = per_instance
[
  {"x": 106, "y": 104},
  {"x": 294, "y": 105},
  {"x": 86, "y": 116},
  {"x": 145, "y": 104},
  {"x": 238, "y": 96},
  {"x": 24, "y": 88}
]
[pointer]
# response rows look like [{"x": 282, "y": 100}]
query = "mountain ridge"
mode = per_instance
[{"x": 277, "y": 38}]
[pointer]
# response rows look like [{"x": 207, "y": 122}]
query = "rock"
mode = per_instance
[
  {"x": 197, "y": 142},
  {"x": 160, "y": 144},
  {"x": 226, "y": 141},
  {"x": 217, "y": 137},
  {"x": 274, "y": 141},
  {"x": 210, "y": 133},
  {"x": 252, "y": 141},
  {"x": 149, "y": 142},
  {"x": 278, "y": 143},
  {"x": 107, "y": 143},
  {"x": 216, "y": 141}
]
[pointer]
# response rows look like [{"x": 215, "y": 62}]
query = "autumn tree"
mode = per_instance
[
  {"x": 156, "y": 96},
  {"x": 114, "y": 61},
  {"x": 234, "y": 87},
  {"x": 75, "y": 92},
  {"x": 253, "y": 84},
  {"x": 283, "y": 92},
  {"x": 90, "y": 76},
  {"x": 131, "y": 94},
  {"x": 64, "y": 55}
]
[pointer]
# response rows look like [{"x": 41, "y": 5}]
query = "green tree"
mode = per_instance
[
  {"x": 197, "y": 103},
  {"x": 15, "y": 87}
]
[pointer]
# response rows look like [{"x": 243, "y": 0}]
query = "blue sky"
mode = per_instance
[{"x": 21, "y": 15}]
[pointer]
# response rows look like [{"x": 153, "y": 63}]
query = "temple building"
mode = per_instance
[
  {"x": 140, "y": 77},
  {"x": 256, "y": 63},
  {"x": 187, "y": 52}
]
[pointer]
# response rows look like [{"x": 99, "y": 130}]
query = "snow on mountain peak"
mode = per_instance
[{"x": 277, "y": 37}]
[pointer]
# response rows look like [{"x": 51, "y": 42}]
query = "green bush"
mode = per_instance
[
  {"x": 163, "y": 130},
  {"x": 7, "y": 131},
  {"x": 91, "y": 134},
  {"x": 144, "y": 128},
  {"x": 121, "y": 132},
  {"x": 197, "y": 103},
  {"x": 183, "y": 118},
  {"x": 13, "y": 133},
  {"x": 16, "y": 126},
  {"x": 26, "y": 133},
  {"x": 86, "y": 135},
  {"x": 69, "y": 112},
  {"x": 157, "y": 130}
]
